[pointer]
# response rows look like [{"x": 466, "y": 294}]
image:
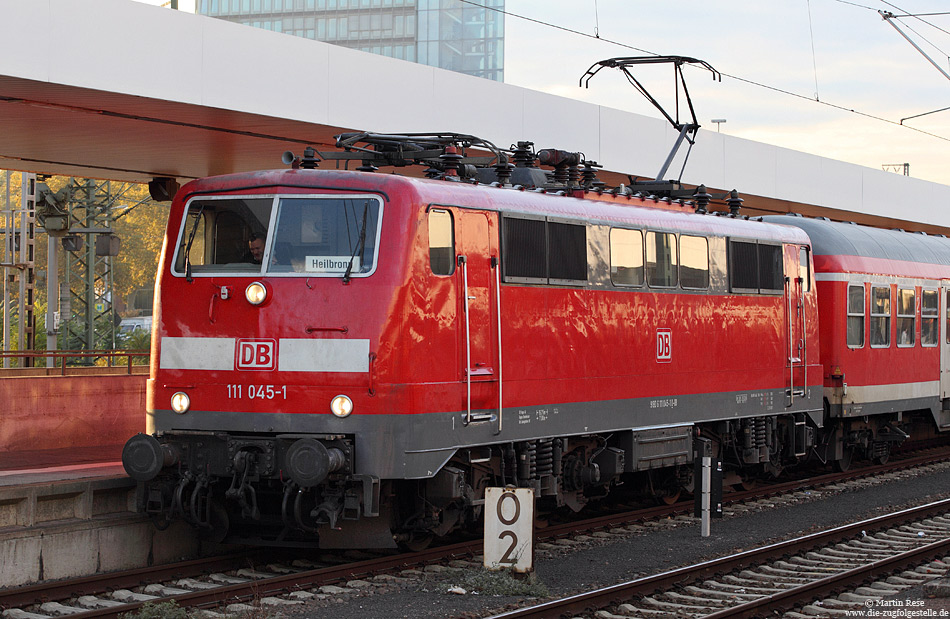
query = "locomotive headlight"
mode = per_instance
[
  {"x": 256, "y": 293},
  {"x": 181, "y": 402},
  {"x": 341, "y": 406}
]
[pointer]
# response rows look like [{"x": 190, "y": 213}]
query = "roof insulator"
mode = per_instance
[
  {"x": 734, "y": 202},
  {"x": 522, "y": 154},
  {"x": 451, "y": 160},
  {"x": 503, "y": 172},
  {"x": 702, "y": 198}
]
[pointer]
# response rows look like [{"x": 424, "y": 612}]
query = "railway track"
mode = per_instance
[
  {"x": 806, "y": 573},
  {"x": 240, "y": 579}
]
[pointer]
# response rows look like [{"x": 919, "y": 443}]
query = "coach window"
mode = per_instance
[
  {"x": 856, "y": 316},
  {"x": 661, "y": 259},
  {"x": 694, "y": 262},
  {"x": 906, "y": 317},
  {"x": 626, "y": 257},
  {"x": 441, "y": 242},
  {"x": 880, "y": 317},
  {"x": 929, "y": 314}
]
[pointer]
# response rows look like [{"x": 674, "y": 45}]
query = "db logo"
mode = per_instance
[
  {"x": 256, "y": 355},
  {"x": 664, "y": 346}
]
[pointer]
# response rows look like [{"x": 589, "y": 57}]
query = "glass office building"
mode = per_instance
[{"x": 449, "y": 34}]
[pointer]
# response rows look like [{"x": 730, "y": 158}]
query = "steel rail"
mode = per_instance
[
  {"x": 243, "y": 592},
  {"x": 57, "y": 590},
  {"x": 827, "y": 586}
]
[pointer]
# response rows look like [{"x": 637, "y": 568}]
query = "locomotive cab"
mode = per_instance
[{"x": 261, "y": 355}]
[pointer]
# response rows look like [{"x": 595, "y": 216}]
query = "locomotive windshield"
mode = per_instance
[{"x": 326, "y": 236}]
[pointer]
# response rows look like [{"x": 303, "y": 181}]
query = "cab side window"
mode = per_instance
[{"x": 441, "y": 242}]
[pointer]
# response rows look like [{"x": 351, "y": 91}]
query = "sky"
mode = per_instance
[{"x": 826, "y": 77}]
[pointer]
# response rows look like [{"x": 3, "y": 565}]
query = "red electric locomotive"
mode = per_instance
[
  {"x": 400, "y": 344},
  {"x": 886, "y": 367}
]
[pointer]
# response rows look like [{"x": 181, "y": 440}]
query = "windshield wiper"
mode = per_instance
[
  {"x": 359, "y": 246},
  {"x": 191, "y": 239}
]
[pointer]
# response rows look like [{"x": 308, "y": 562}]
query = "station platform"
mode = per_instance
[
  {"x": 67, "y": 508},
  {"x": 77, "y": 520}
]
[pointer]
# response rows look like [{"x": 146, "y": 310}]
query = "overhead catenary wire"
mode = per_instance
[
  {"x": 750, "y": 82},
  {"x": 814, "y": 59},
  {"x": 596, "y": 21}
]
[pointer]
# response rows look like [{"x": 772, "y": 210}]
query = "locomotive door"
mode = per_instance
[
  {"x": 478, "y": 281},
  {"x": 797, "y": 280},
  {"x": 943, "y": 331}
]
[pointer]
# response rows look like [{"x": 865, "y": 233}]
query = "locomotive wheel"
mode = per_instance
[
  {"x": 220, "y": 523},
  {"x": 844, "y": 462},
  {"x": 671, "y": 496},
  {"x": 884, "y": 457},
  {"x": 418, "y": 541},
  {"x": 749, "y": 483}
]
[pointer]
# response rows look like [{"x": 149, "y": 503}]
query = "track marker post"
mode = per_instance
[
  {"x": 509, "y": 529},
  {"x": 707, "y": 476}
]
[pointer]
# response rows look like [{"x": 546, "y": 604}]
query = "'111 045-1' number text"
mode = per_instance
[{"x": 258, "y": 392}]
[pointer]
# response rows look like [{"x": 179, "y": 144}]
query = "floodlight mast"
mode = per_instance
[{"x": 687, "y": 131}]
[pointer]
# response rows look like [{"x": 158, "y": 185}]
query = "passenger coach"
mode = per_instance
[{"x": 885, "y": 342}]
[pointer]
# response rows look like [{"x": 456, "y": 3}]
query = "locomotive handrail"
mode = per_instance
[
  {"x": 791, "y": 362},
  {"x": 64, "y": 355},
  {"x": 343, "y": 329},
  {"x": 463, "y": 262},
  {"x": 494, "y": 265},
  {"x": 804, "y": 338}
]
